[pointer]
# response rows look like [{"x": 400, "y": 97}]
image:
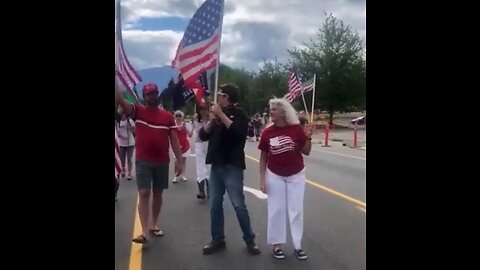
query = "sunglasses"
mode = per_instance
[{"x": 178, "y": 115}]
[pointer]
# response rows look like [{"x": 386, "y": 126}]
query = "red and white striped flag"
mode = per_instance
[
  {"x": 126, "y": 75},
  {"x": 294, "y": 87},
  {"x": 200, "y": 46}
]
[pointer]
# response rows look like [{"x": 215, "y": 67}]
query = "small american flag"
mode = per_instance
[
  {"x": 200, "y": 46},
  {"x": 296, "y": 88},
  {"x": 126, "y": 74}
]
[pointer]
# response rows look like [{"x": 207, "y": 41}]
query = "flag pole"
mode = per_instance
[
  {"x": 304, "y": 103},
  {"x": 217, "y": 68},
  {"x": 313, "y": 97}
]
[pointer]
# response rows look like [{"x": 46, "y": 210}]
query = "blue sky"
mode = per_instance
[
  {"x": 158, "y": 24},
  {"x": 253, "y": 30}
]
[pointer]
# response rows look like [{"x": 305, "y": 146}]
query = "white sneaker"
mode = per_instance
[
  {"x": 184, "y": 179},
  {"x": 175, "y": 180}
]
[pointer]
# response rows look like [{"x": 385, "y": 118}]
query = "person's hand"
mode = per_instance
[
  {"x": 216, "y": 110},
  {"x": 263, "y": 186},
  {"x": 211, "y": 116},
  {"x": 179, "y": 167},
  {"x": 309, "y": 131}
]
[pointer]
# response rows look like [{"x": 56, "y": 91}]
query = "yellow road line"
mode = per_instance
[
  {"x": 339, "y": 194},
  {"x": 136, "y": 250}
]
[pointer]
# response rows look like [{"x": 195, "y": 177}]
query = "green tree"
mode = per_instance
[
  {"x": 166, "y": 96},
  {"x": 337, "y": 56},
  {"x": 269, "y": 82}
]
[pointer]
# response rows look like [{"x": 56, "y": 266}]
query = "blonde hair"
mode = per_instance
[{"x": 289, "y": 112}]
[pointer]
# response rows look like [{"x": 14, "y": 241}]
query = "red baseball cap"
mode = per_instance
[{"x": 149, "y": 88}]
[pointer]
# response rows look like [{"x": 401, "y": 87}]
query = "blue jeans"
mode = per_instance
[{"x": 229, "y": 178}]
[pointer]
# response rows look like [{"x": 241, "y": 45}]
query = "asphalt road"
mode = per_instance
[{"x": 334, "y": 220}]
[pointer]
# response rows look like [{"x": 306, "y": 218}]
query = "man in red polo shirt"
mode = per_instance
[{"x": 155, "y": 127}]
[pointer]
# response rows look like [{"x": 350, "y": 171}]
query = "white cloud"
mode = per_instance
[
  {"x": 150, "y": 48},
  {"x": 252, "y": 30}
]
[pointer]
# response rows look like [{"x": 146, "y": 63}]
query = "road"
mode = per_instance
[{"x": 334, "y": 220}]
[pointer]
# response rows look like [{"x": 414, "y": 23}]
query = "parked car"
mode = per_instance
[{"x": 360, "y": 121}]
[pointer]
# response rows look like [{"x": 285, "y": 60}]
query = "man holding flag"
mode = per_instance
[
  {"x": 155, "y": 127},
  {"x": 226, "y": 132}
]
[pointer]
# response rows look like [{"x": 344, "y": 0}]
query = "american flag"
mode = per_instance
[
  {"x": 296, "y": 88},
  {"x": 118, "y": 167},
  {"x": 126, "y": 75},
  {"x": 200, "y": 46},
  {"x": 308, "y": 85}
]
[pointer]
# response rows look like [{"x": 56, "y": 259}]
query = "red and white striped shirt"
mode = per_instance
[{"x": 152, "y": 126}]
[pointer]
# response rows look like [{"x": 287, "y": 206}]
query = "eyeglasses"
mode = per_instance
[{"x": 178, "y": 115}]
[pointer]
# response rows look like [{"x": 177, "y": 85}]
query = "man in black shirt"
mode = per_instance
[{"x": 227, "y": 132}]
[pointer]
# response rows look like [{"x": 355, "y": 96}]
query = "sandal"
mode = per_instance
[{"x": 139, "y": 239}]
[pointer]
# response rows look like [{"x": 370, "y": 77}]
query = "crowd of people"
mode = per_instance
[{"x": 221, "y": 131}]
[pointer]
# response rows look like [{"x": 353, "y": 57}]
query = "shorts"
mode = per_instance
[
  {"x": 151, "y": 175},
  {"x": 125, "y": 151}
]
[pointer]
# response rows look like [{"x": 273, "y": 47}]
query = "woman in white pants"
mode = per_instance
[
  {"x": 201, "y": 147},
  {"x": 282, "y": 175}
]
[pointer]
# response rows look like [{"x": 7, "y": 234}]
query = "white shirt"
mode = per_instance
[
  {"x": 125, "y": 137},
  {"x": 197, "y": 126}
]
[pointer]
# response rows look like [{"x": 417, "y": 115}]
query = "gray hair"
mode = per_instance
[
  {"x": 179, "y": 112},
  {"x": 290, "y": 114}
]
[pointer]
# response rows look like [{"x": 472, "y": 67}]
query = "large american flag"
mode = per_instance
[
  {"x": 295, "y": 87},
  {"x": 126, "y": 75},
  {"x": 200, "y": 46}
]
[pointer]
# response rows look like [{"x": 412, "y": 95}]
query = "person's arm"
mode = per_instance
[
  {"x": 190, "y": 132},
  {"x": 307, "y": 136},
  {"x": 264, "y": 147},
  {"x": 175, "y": 143},
  {"x": 172, "y": 135},
  {"x": 238, "y": 127},
  {"x": 263, "y": 171},
  {"x": 128, "y": 108},
  {"x": 206, "y": 131},
  {"x": 131, "y": 126}
]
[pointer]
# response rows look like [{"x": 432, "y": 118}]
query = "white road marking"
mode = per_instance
[{"x": 258, "y": 193}]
